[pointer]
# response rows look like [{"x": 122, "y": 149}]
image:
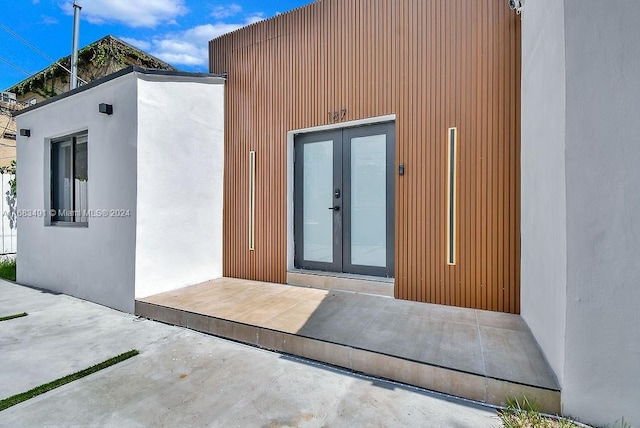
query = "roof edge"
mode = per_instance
[
  {"x": 112, "y": 76},
  {"x": 138, "y": 52},
  {"x": 166, "y": 64},
  {"x": 268, "y": 19}
]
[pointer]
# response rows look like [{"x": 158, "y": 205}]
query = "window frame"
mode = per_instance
[{"x": 72, "y": 138}]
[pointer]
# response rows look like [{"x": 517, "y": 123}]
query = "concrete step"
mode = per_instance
[
  {"x": 374, "y": 335},
  {"x": 344, "y": 282}
]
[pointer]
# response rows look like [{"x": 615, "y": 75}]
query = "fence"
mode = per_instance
[{"x": 8, "y": 226}]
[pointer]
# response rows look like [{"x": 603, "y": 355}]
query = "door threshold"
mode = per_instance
[{"x": 342, "y": 281}]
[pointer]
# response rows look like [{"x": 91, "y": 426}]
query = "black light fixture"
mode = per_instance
[
  {"x": 105, "y": 108},
  {"x": 25, "y": 132}
]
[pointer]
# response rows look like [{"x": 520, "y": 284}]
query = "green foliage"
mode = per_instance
[
  {"x": 105, "y": 56},
  {"x": 11, "y": 169},
  {"x": 19, "y": 398},
  {"x": 526, "y": 414},
  {"x": 38, "y": 82},
  {"x": 8, "y": 269},
  {"x": 10, "y": 317},
  {"x": 620, "y": 423},
  {"x": 100, "y": 56}
]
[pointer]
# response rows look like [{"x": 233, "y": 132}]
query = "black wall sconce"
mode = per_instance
[
  {"x": 105, "y": 108},
  {"x": 25, "y": 132}
]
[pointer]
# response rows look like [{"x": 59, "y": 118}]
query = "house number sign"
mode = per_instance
[{"x": 337, "y": 115}]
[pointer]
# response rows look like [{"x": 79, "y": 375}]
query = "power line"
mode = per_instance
[
  {"x": 35, "y": 49},
  {"x": 29, "y": 45},
  {"x": 15, "y": 66}
]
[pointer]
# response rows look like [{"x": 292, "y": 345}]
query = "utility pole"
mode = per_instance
[{"x": 74, "y": 47}]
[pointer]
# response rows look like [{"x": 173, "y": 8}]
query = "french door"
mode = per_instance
[{"x": 344, "y": 200}]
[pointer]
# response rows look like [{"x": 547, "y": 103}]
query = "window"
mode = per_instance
[
  {"x": 8, "y": 97},
  {"x": 69, "y": 179}
]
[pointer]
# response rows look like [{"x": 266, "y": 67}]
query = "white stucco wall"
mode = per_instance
[
  {"x": 602, "y": 356},
  {"x": 95, "y": 262},
  {"x": 580, "y": 200},
  {"x": 180, "y": 182},
  {"x": 543, "y": 218},
  {"x": 160, "y": 155}
]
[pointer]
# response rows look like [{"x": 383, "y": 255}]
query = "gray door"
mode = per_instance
[{"x": 344, "y": 200}]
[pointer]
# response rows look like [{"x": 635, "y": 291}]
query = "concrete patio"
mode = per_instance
[
  {"x": 480, "y": 355},
  {"x": 183, "y": 378}
]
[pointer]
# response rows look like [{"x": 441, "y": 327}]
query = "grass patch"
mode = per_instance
[
  {"x": 10, "y": 317},
  {"x": 8, "y": 269},
  {"x": 19, "y": 398},
  {"x": 524, "y": 414},
  {"x": 620, "y": 423}
]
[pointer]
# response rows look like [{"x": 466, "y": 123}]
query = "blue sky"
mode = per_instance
[{"x": 176, "y": 31}]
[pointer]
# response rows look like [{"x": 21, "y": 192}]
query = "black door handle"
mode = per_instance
[{"x": 336, "y": 208}]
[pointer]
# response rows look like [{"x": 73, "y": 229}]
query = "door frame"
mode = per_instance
[
  {"x": 390, "y": 192},
  {"x": 337, "y": 218},
  {"x": 290, "y": 178}
]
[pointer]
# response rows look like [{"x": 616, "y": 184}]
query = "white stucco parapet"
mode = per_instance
[{"x": 155, "y": 187}]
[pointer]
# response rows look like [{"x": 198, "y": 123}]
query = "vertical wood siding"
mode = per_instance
[{"x": 435, "y": 64}]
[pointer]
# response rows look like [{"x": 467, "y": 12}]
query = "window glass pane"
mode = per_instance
[
  {"x": 69, "y": 179},
  {"x": 61, "y": 185},
  {"x": 368, "y": 201},
  {"x": 317, "y": 198},
  {"x": 81, "y": 177}
]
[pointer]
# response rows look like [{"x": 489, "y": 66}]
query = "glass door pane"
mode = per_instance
[
  {"x": 368, "y": 201},
  {"x": 317, "y": 198},
  {"x": 81, "y": 178},
  {"x": 61, "y": 184},
  {"x": 343, "y": 200}
]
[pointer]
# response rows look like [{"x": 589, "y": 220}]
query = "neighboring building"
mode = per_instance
[
  {"x": 96, "y": 60},
  {"x": 8, "y": 106},
  {"x": 136, "y": 189},
  {"x": 101, "y": 58}
]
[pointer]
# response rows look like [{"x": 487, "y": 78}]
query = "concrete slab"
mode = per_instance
[
  {"x": 61, "y": 335},
  {"x": 185, "y": 378},
  {"x": 469, "y": 353},
  {"x": 344, "y": 282}
]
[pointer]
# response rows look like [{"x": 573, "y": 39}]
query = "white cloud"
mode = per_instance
[
  {"x": 140, "y": 44},
  {"x": 183, "y": 52},
  {"x": 190, "y": 47},
  {"x": 139, "y": 13},
  {"x": 225, "y": 11},
  {"x": 206, "y": 32},
  {"x": 255, "y": 18}
]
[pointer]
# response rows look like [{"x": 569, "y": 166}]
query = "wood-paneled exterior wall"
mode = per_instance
[{"x": 435, "y": 64}]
